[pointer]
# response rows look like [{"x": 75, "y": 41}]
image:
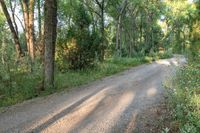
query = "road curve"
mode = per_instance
[{"x": 110, "y": 105}]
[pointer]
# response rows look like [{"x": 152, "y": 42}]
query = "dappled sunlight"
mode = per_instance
[
  {"x": 174, "y": 63},
  {"x": 163, "y": 62},
  {"x": 151, "y": 92},
  {"x": 89, "y": 108},
  {"x": 122, "y": 104},
  {"x": 125, "y": 100},
  {"x": 74, "y": 113},
  {"x": 75, "y": 116},
  {"x": 106, "y": 113},
  {"x": 179, "y": 60}
]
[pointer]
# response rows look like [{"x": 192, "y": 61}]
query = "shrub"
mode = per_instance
[
  {"x": 185, "y": 98},
  {"x": 82, "y": 45}
]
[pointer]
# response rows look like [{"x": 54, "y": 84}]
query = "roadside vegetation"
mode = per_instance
[
  {"x": 91, "y": 40},
  {"x": 184, "y": 98},
  {"x": 78, "y": 41},
  {"x": 19, "y": 83}
]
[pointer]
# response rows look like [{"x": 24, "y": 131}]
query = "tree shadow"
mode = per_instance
[
  {"x": 100, "y": 114},
  {"x": 65, "y": 112},
  {"x": 127, "y": 118}
]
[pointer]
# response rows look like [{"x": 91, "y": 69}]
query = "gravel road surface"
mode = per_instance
[{"x": 109, "y": 105}]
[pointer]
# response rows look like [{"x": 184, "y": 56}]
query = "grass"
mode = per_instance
[
  {"x": 17, "y": 87},
  {"x": 184, "y": 98},
  {"x": 18, "y": 84},
  {"x": 109, "y": 67}
]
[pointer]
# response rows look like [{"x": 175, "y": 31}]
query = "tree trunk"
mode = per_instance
[
  {"x": 13, "y": 15},
  {"x": 40, "y": 37},
  {"x": 50, "y": 34},
  {"x": 117, "y": 35},
  {"x": 120, "y": 41},
  {"x": 31, "y": 29},
  {"x": 16, "y": 39},
  {"x": 24, "y": 5},
  {"x": 39, "y": 20},
  {"x": 28, "y": 14},
  {"x": 102, "y": 31}
]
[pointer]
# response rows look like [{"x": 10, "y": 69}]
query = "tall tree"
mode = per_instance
[
  {"x": 28, "y": 14},
  {"x": 119, "y": 27},
  {"x": 13, "y": 15},
  {"x": 31, "y": 29},
  {"x": 50, "y": 35},
  {"x": 99, "y": 8},
  {"x": 14, "y": 33},
  {"x": 39, "y": 19}
]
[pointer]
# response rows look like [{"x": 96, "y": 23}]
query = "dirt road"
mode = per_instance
[{"x": 110, "y": 105}]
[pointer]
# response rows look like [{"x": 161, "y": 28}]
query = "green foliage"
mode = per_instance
[
  {"x": 165, "y": 54},
  {"x": 185, "y": 98},
  {"x": 16, "y": 86},
  {"x": 82, "y": 44},
  {"x": 17, "y": 82},
  {"x": 109, "y": 67}
]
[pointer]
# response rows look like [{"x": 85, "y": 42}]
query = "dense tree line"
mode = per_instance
[{"x": 75, "y": 34}]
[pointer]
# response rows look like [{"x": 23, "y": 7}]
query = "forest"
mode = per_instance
[{"x": 51, "y": 46}]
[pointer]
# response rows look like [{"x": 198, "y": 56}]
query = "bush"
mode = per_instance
[
  {"x": 166, "y": 54},
  {"x": 82, "y": 51},
  {"x": 185, "y": 98},
  {"x": 82, "y": 45},
  {"x": 19, "y": 78}
]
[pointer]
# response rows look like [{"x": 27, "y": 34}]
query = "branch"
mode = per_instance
[{"x": 91, "y": 9}]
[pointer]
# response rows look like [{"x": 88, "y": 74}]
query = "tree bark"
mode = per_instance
[
  {"x": 28, "y": 14},
  {"x": 40, "y": 37},
  {"x": 15, "y": 36},
  {"x": 31, "y": 29},
  {"x": 24, "y": 5},
  {"x": 39, "y": 20},
  {"x": 101, "y": 6},
  {"x": 13, "y": 16},
  {"x": 117, "y": 35},
  {"x": 121, "y": 13},
  {"x": 50, "y": 34}
]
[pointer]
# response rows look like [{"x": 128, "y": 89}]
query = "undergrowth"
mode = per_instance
[
  {"x": 184, "y": 98},
  {"x": 17, "y": 85}
]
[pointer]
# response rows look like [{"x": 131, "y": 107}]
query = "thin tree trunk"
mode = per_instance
[
  {"x": 24, "y": 5},
  {"x": 31, "y": 29},
  {"x": 117, "y": 35},
  {"x": 16, "y": 39},
  {"x": 50, "y": 34},
  {"x": 125, "y": 3},
  {"x": 20, "y": 21},
  {"x": 39, "y": 20},
  {"x": 120, "y": 41},
  {"x": 141, "y": 32},
  {"x": 28, "y": 14},
  {"x": 102, "y": 31},
  {"x": 13, "y": 16}
]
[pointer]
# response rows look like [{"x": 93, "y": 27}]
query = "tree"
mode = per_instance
[
  {"x": 119, "y": 27},
  {"x": 28, "y": 14},
  {"x": 14, "y": 33},
  {"x": 83, "y": 44},
  {"x": 50, "y": 34},
  {"x": 99, "y": 8}
]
